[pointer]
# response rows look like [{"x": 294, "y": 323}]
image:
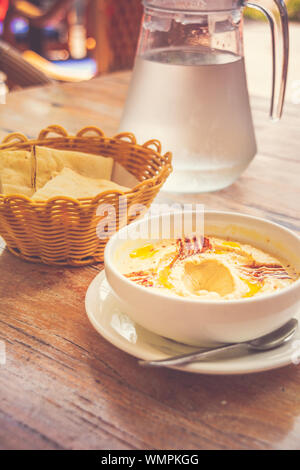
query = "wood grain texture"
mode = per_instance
[{"x": 64, "y": 387}]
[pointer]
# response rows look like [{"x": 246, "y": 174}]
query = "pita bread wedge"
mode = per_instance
[
  {"x": 11, "y": 189},
  {"x": 15, "y": 172},
  {"x": 50, "y": 163},
  {"x": 70, "y": 184}
]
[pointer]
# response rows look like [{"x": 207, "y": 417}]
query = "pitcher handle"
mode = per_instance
[{"x": 279, "y": 27}]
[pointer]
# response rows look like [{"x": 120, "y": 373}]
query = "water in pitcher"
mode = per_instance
[{"x": 197, "y": 104}]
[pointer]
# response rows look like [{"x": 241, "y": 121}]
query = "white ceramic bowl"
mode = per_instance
[{"x": 202, "y": 322}]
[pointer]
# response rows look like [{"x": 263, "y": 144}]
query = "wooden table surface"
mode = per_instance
[{"x": 64, "y": 387}]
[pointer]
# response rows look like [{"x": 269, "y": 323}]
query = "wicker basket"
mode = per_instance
[{"x": 62, "y": 230}]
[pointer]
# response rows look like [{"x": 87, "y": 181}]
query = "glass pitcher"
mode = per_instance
[{"x": 189, "y": 88}]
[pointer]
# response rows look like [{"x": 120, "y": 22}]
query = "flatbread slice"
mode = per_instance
[
  {"x": 50, "y": 163},
  {"x": 12, "y": 189},
  {"x": 70, "y": 184},
  {"x": 15, "y": 172}
]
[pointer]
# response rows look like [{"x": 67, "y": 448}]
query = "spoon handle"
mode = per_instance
[{"x": 190, "y": 357}]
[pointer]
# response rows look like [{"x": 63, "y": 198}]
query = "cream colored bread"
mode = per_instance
[
  {"x": 70, "y": 184},
  {"x": 50, "y": 163},
  {"x": 12, "y": 189},
  {"x": 15, "y": 172}
]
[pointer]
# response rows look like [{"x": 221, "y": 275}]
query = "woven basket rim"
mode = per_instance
[{"x": 17, "y": 140}]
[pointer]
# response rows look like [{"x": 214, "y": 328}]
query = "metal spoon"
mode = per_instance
[{"x": 264, "y": 343}]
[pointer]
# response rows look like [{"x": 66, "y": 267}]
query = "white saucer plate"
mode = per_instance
[{"x": 117, "y": 328}]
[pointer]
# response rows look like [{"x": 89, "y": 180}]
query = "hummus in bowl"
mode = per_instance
[
  {"x": 207, "y": 268},
  {"x": 239, "y": 282}
]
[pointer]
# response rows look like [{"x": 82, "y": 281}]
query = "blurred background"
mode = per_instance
[
  {"x": 67, "y": 40},
  {"x": 74, "y": 40}
]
